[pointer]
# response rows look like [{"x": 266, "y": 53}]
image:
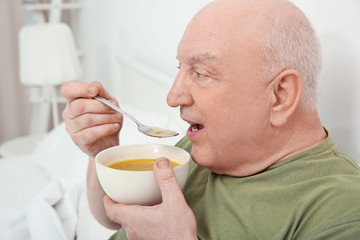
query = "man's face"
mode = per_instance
[{"x": 221, "y": 96}]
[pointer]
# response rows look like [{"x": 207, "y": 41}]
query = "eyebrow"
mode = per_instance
[{"x": 201, "y": 58}]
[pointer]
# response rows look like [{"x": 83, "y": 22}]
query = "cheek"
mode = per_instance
[{"x": 236, "y": 120}]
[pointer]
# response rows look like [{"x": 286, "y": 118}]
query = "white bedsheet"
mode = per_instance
[
  {"x": 21, "y": 180},
  {"x": 52, "y": 214},
  {"x": 43, "y": 195}
]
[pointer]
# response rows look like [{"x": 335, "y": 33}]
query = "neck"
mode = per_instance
[
  {"x": 299, "y": 136},
  {"x": 301, "y": 132}
]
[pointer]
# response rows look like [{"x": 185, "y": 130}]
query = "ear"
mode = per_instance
[{"x": 286, "y": 93}]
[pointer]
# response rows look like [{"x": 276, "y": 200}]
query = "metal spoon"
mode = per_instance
[{"x": 147, "y": 130}]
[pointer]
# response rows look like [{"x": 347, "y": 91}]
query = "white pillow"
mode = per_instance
[{"x": 60, "y": 157}]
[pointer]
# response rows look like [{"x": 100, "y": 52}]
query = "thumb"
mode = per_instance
[{"x": 165, "y": 177}]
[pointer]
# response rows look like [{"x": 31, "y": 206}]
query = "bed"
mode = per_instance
[{"x": 43, "y": 195}]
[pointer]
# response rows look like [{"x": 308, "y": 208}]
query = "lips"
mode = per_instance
[
  {"x": 196, "y": 126},
  {"x": 194, "y": 130}
]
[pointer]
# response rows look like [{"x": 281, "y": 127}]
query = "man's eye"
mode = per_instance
[{"x": 199, "y": 75}]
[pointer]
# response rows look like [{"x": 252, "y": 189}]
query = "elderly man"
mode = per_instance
[{"x": 264, "y": 167}]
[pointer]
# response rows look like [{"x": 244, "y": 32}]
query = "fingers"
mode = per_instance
[
  {"x": 81, "y": 112},
  {"x": 92, "y": 125},
  {"x": 87, "y": 120},
  {"x": 94, "y": 133},
  {"x": 81, "y": 106},
  {"x": 165, "y": 177},
  {"x": 164, "y": 221},
  {"x": 119, "y": 213},
  {"x": 74, "y": 90},
  {"x": 170, "y": 191},
  {"x": 111, "y": 210},
  {"x": 79, "y": 94},
  {"x": 172, "y": 219}
]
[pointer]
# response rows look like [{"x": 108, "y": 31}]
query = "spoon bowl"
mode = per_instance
[{"x": 147, "y": 130}]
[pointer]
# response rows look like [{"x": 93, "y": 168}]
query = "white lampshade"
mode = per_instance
[{"x": 47, "y": 54}]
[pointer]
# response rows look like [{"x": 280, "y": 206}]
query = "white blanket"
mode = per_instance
[
  {"x": 52, "y": 214},
  {"x": 43, "y": 195}
]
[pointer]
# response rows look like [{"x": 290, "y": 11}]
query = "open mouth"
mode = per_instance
[
  {"x": 196, "y": 127},
  {"x": 194, "y": 130}
]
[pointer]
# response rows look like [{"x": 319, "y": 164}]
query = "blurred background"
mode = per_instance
[{"x": 147, "y": 32}]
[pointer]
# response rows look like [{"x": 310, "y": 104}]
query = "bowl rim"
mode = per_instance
[{"x": 98, "y": 162}]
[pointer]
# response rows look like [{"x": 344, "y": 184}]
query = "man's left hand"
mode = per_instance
[{"x": 171, "y": 219}]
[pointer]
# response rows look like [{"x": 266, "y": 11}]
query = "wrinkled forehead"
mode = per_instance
[
  {"x": 238, "y": 26},
  {"x": 222, "y": 27}
]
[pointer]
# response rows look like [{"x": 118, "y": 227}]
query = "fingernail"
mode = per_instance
[
  {"x": 116, "y": 125},
  {"x": 92, "y": 90},
  {"x": 163, "y": 163}
]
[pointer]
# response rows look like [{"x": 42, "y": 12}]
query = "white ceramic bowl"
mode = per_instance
[{"x": 138, "y": 187}]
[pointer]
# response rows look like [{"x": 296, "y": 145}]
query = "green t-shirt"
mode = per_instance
[{"x": 312, "y": 195}]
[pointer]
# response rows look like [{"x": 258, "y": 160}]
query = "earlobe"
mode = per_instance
[{"x": 286, "y": 93}]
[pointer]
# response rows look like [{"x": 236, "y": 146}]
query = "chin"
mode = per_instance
[
  {"x": 204, "y": 159},
  {"x": 207, "y": 159},
  {"x": 199, "y": 158}
]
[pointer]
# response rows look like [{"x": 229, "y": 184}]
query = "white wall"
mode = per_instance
[
  {"x": 338, "y": 26},
  {"x": 149, "y": 32}
]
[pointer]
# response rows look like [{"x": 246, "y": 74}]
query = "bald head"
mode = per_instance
[
  {"x": 273, "y": 32},
  {"x": 234, "y": 15}
]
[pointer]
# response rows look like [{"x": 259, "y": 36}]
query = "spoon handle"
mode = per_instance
[{"x": 116, "y": 108}]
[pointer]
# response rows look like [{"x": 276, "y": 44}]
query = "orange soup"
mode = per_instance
[{"x": 142, "y": 164}]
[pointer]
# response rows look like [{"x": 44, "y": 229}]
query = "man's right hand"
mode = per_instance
[{"x": 92, "y": 125}]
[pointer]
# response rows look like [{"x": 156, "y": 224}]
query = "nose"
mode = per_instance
[{"x": 179, "y": 94}]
